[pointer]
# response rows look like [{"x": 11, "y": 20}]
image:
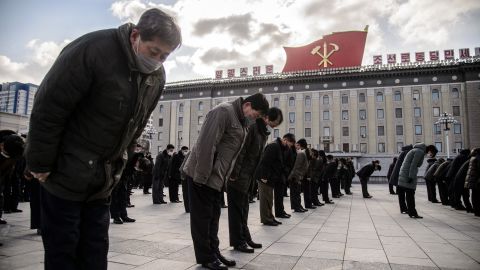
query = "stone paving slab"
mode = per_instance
[{"x": 353, "y": 233}]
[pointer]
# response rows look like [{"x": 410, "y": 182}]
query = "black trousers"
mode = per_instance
[
  {"x": 390, "y": 188},
  {"x": 157, "y": 190},
  {"x": 401, "y": 199},
  {"x": 186, "y": 186},
  {"x": 431, "y": 190},
  {"x": 147, "y": 183},
  {"x": 238, "y": 207},
  {"x": 35, "y": 211},
  {"x": 476, "y": 201},
  {"x": 12, "y": 193},
  {"x": 451, "y": 192},
  {"x": 307, "y": 192},
  {"x": 295, "y": 198},
  {"x": 364, "y": 183},
  {"x": 410, "y": 196},
  {"x": 348, "y": 185},
  {"x": 324, "y": 189},
  {"x": 278, "y": 194},
  {"x": 335, "y": 186},
  {"x": 74, "y": 234},
  {"x": 173, "y": 190},
  {"x": 314, "y": 192},
  {"x": 204, "y": 218},
  {"x": 443, "y": 192},
  {"x": 118, "y": 207}
]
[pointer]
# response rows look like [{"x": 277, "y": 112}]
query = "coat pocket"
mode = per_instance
[{"x": 77, "y": 170}]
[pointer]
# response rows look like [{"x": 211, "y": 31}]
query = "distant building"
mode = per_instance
[{"x": 17, "y": 98}]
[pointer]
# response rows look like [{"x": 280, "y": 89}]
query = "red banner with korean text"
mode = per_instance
[
  {"x": 434, "y": 56},
  {"x": 243, "y": 72},
  {"x": 269, "y": 69},
  {"x": 419, "y": 57},
  {"x": 377, "y": 60},
  {"x": 218, "y": 74},
  {"x": 391, "y": 58},
  {"x": 256, "y": 70},
  {"x": 449, "y": 55},
  {"x": 339, "y": 49},
  {"x": 231, "y": 73},
  {"x": 464, "y": 53},
  {"x": 405, "y": 57}
]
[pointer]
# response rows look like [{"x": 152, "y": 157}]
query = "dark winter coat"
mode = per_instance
[
  {"x": 429, "y": 174},
  {"x": 242, "y": 175},
  {"x": 89, "y": 107},
  {"x": 409, "y": 170},
  {"x": 316, "y": 166},
  {"x": 390, "y": 170},
  {"x": 441, "y": 172},
  {"x": 272, "y": 163},
  {"x": 393, "y": 180},
  {"x": 461, "y": 175},
  {"x": 366, "y": 171},
  {"x": 473, "y": 175},
  {"x": 160, "y": 169},
  {"x": 430, "y": 163},
  {"x": 300, "y": 168},
  {"x": 330, "y": 171},
  {"x": 174, "y": 168},
  {"x": 456, "y": 164}
]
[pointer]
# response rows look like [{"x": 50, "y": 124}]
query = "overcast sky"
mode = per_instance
[{"x": 221, "y": 34}]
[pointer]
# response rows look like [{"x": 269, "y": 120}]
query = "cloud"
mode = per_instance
[
  {"x": 13, "y": 71},
  {"x": 45, "y": 53}
]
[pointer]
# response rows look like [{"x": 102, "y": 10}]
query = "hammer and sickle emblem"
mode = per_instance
[{"x": 326, "y": 54}]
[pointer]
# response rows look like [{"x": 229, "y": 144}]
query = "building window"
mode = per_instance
[
  {"x": 381, "y": 131},
  {"x": 458, "y": 146},
  {"x": 159, "y": 136},
  {"x": 436, "y": 111},
  {"x": 159, "y": 149},
  {"x": 379, "y": 97},
  {"x": 437, "y": 129},
  {"x": 308, "y": 116},
  {"x": 291, "y": 117},
  {"x": 308, "y": 101},
  {"x": 416, "y": 95},
  {"x": 381, "y": 147},
  {"x": 457, "y": 129},
  {"x": 456, "y": 110},
  {"x": 180, "y": 107},
  {"x": 418, "y": 130},
  {"x": 344, "y": 99},
  {"x": 291, "y": 130},
  {"x": 397, "y": 96},
  {"x": 291, "y": 102},
  {"x": 160, "y": 122},
  {"x": 345, "y": 131},
  {"x": 326, "y": 100},
  {"x": 200, "y": 106},
  {"x": 346, "y": 147},
  {"x": 326, "y": 131},
  {"x": 308, "y": 132},
  {"x": 361, "y": 97},
  {"x": 276, "y": 102},
  {"x": 399, "y": 147},
  {"x": 455, "y": 93},
  {"x": 363, "y": 131},
  {"x": 362, "y": 114},
  {"x": 200, "y": 120},
  {"x": 435, "y": 95},
  {"x": 344, "y": 115},
  {"x": 326, "y": 115},
  {"x": 180, "y": 137},
  {"x": 438, "y": 145},
  {"x": 398, "y": 113},
  {"x": 160, "y": 109},
  {"x": 363, "y": 148},
  {"x": 180, "y": 121},
  {"x": 399, "y": 130},
  {"x": 276, "y": 133},
  {"x": 417, "y": 112},
  {"x": 380, "y": 114}
]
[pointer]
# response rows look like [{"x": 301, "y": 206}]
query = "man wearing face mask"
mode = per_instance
[
  {"x": 161, "y": 173},
  {"x": 209, "y": 165},
  {"x": 174, "y": 174},
  {"x": 94, "y": 102}
]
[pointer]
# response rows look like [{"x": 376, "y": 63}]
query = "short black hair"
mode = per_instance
[
  {"x": 170, "y": 146},
  {"x": 275, "y": 114},
  {"x": 432, "y": 148},
  {"x": 258, "y": 103},
  {"x": 154, "y": 23},
  {"x": 184, "y": 148},
  {"x": 13, "y": 145},
  {"x": 379, "y": 168},
  {"x": 329, "y": 157},
  {"x": 303, "y": 143},
  {"x": 289, "y": 137}
]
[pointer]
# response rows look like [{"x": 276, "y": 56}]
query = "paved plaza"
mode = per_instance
[{"x": 353, "y": 233}]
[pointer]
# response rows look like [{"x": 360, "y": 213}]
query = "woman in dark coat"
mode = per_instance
[
  {"x": 393, "y": 180},
  {"x": 389, "y": 174}
]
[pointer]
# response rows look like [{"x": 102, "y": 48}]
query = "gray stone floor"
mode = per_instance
[{"x": 351, "y": 234}]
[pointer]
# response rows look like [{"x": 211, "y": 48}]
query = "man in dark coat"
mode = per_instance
[
  {"x": 271, "y": 169},
  {"x": 389, "y": 174},
  {"x": 460, "y": 191},
  {"x": 429, "y": 177},
  {"x": 95, "y": 100},
  {"x": 440, "y": 176},
  {"x": 209, "y": 166},
  {"x": 329, "y": 173},
  {"x": 160, "y": 174},
  {"x": 174, "y": 174},
  {"x": 297, "y": 175},
  {"x": 472, "y": 180},
  {"x": 452, "y": 171},
  {"x": 241, "y": 180},
  {"x": 393, "y": 180},
  {"x": 317, "y": 164},
  {"x": 364, "y": 174}
]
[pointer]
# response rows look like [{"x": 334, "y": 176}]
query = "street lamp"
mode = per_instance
[{"x": 445, "y": 119}]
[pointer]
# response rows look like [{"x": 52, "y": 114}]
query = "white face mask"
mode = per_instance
[
  {"x": 185, "y": 152},
  {"x": 146, "y": 64},
  {"x": 170, "y": 153},
  {"x": 270, "y": 129}
]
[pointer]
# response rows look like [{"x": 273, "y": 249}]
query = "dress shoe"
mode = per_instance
[
  {"x": 341, "y": 194},
  {"x": 336, "y": 196},
  {"x": 130, "y": 205},
  {"x": 460, "y": 208},
  {"x": 329, "y": 202},
  {"x": 404, "y": 212},
  {"x": 270, "y": 223},
  {"x": 283, "y": 216},
  {"x": 160, "y": 202},
  {"x": 416, "y": 216},
  {"x": 39, "y": 232},
  {"x": 349, "y": 193},
  {"x": 298, "y": 210},
  {"x": 469, "y": 210},
  {"x": 435, "y": 201},
  {"x": 253, "y": 244},
  {"x": 367, "y": 197},
  {"x": 127, "y": 219},
  {"x": 3, "y": 221},
  {"x": 304, "y": 210},
  {"x": 251, "y": 201},
  {"x": 276, "y": 221},
  {"x": 243, "y": 248},
  {"x": 225, "y": 261},
  {"x": 147, "y": 193},
  {"x": 311, "y": 207},
  {"x": 117, "y": 221},
  {"x": 393, "y": 193},
  {"x": 224, "y": 206},
  {"x": 215, "y": 265},
  {"x": 17, "y": 211}
]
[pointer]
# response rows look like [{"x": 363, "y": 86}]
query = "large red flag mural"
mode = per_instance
[{"x": 339, "y": 49}]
